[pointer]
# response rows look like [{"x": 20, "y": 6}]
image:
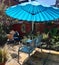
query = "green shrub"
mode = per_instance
[
  {"x": 0, "y": 55},
  {"x": 3, "y": 55},
  {"x": 3, "y": 37}
]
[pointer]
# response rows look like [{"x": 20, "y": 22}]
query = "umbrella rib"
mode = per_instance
[
  {"x": 55, "y": 10},
  {"x": 25, "y": 10},
  {"x": 33, "y": 11},
  {"x": 15, "y": 13},
  {"x": 41, "y": 11},
  {"x": 43, "y": 15},
  {"x": 11, "y": 11},
  {"x": 47, "y": 15},
  {"x": 53, "y": 13},
  {"x": 50, "y": 15}
]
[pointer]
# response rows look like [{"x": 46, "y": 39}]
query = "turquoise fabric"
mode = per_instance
[{"x": 33, "y": 13}]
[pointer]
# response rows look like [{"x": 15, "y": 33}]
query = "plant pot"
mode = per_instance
[{"x": 2, "y": 63}]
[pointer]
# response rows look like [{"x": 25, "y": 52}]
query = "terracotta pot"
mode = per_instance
[{"x": 2, "y": 63}]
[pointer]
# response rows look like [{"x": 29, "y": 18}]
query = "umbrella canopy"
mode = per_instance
[{"x": 32, "y": 12}]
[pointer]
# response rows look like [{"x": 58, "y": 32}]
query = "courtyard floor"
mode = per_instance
[{"x": 38, "y": 57}]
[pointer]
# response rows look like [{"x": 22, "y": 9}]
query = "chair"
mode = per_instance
[{"x": 26, "y": 49}]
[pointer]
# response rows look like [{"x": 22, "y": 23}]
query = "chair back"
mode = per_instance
[
  {"x": 32, "y": 43},
  {"x": 40, "y": 38},
  {"x": 37, "y": 41}
]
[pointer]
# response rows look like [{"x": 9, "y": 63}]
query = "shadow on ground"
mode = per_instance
[{"x": 43, "y": 59}]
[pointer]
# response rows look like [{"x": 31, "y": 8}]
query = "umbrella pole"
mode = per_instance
[
  {"x": 32, "y": 29},
  {"x": 32, "y": 26}
]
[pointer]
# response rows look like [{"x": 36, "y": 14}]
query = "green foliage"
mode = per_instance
[
  {"x": 48, "y": 23},
  {"x": 53, "y": 31},
  {"x": 54, "y": 35},
  {"x": 3, "y": 54},
  {"x": 0, "y": 55},
  {"x": 2, "y": 34},
  {"x": 46, "y": 30}
]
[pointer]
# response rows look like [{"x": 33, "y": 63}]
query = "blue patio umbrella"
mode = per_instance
[{"x": 32, "y": 12}]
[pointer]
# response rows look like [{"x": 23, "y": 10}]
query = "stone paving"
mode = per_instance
[{"x": 53, "y": 58}]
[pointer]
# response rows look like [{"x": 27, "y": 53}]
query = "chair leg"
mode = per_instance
[
  {"x": 18, "y": 56},
  {"x": 41, "y": 47},
  {"x": 29, "y": 54}
]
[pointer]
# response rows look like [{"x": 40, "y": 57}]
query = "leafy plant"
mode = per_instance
[
  {"x": 46, "y": 30},
  {"x": 53, "y": 31},
  {"x": 3, "y": 54},
  {"x": 0, "y": 55}
]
